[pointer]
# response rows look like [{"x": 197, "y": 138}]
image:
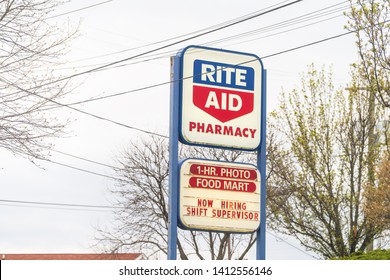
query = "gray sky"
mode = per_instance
[{"x": 120, "y": 29}]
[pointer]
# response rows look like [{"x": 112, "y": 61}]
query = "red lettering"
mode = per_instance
[
  {"x": 219, "y": 184},
  {"x": 234, "y": 214},
  {"x": 192, "y": 126},
  {"x": 196, "y": 211},
  {"x": 209, "y": 129},
  {"x": 253, "y": 131},
  {"x": 222, "y": 171},
  {"x": 227, "y": 130},
  {"x": 222, "y": 105},
  {"x": 200, "y": 127},
  {"x": 205, "y": 202},
  {"x": 217, "y": 129}
]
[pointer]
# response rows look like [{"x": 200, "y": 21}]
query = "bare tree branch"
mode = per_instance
[{"x": 30, "y": 47}]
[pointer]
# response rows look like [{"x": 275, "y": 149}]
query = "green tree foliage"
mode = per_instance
[
  {"x": 370, "y": 21},
  {"x": 373, "y": 255},
  {"x": 319, "y": 158}
]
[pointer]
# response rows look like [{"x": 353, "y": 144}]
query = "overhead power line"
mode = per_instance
[
  {"x": 212, "y": 30},
  {"x": 87, "y": 160},
  {"x": 310, "y": 17},
  {"x": 83, "y": 170},
  {"x": 337, "y": 8},
  {"x": 264, "y": 57},
  {"x": 218, "y": 28},
  {"x": 198, "y": 33},
  {"x": 90, "y": 114},
  {"x": 80, "y": 9},
  {"x": 318, "y": 13},
  {"x": 295, "y": 247},
  {"x": 309, "y": 44},
  {"x": 23, "y": 202},
  {"x": 169, "y": 82}
]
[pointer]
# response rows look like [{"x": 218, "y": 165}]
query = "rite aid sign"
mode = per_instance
[{"x": 220, "y": 103}]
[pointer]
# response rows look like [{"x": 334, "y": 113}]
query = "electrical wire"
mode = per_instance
[
  {"x": 80, "y": 9},
  {"x": 84, "y": 170},
  {"x": 90, "y": 114},
  {"x": 169, "y": 82},
  {"x": 293, "y": 21},
  {"x": 184, "y": 35},
  {"x": 295, "y": 247},
  {"x": 218, "y": 28},
  {"x": 309, "y": 17},
  {"x": 309, "y": 44},
  {"x": 24, "y": 202},
  {"x": 263, "y": 57},
  {"x": 87, "y": 160},
  {"x": 315, "y": 14}
]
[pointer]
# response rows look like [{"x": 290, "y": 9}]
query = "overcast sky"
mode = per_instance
[{"x": 119, "y": 29}]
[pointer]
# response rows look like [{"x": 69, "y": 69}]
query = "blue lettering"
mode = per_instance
[{"x": 225, "y": 75}]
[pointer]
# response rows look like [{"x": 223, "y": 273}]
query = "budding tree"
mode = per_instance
[
  {"x": 320, "y": 163},
  {"x": 370, "y": 22},
  {"x": 29, "y": 48},
  {"x": 377, "y": 198}
]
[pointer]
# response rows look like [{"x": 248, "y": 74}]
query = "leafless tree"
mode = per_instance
[
  {"x": 141, "y": 220},
  {"x": 29, "y": 48}
]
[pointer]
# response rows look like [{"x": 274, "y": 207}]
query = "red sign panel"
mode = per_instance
[
  {"x": 224, "y": 105},
  {"x": 222, "y": 171},
  {"x": 223, "y": 185}
]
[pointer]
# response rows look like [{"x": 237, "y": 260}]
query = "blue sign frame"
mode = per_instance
[{"x": 181, "y": 78}]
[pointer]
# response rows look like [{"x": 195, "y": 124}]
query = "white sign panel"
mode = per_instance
[
  {"x": 220, "y": 98},
  {"x": 219, "y": 196}
]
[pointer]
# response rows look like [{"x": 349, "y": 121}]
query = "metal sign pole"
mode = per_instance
[
  {"x": 261, "y": 165},
  {"x": 173, "y": 159}
]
